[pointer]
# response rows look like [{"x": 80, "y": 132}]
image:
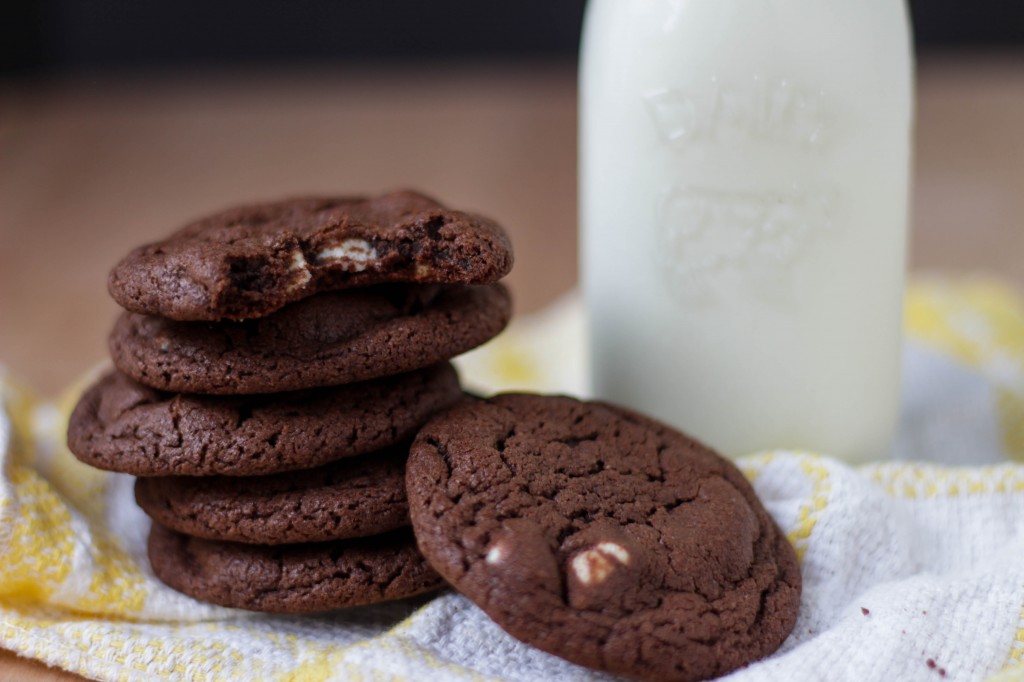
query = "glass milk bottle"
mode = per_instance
[{"x": 744, "y": 172}]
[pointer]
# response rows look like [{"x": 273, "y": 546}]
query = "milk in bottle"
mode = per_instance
[{"x": 743, "y": 194}]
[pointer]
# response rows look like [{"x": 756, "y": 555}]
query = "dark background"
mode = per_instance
[{"x": 58, "y": 37}]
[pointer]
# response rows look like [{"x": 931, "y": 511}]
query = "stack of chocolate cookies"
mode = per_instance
[{"x": 272, "y": 366}]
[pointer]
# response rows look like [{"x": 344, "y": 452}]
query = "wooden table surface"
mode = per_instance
[{"x": 90, "y": 168}]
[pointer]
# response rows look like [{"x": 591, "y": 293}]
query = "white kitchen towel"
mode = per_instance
[{"x": 913, "y": 567}]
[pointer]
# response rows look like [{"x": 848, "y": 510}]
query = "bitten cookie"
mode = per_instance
[
  {"x": 347, "y": 499},
  {"x": 121, "y": 425},
  {"x": 329, "y": 339},
  {"x": 293, "y": 578},
  {"x": 602, "y": 537},
  {"x": 249, "y": 261}
]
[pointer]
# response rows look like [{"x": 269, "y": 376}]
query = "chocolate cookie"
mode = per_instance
[
  {"x": 121, "y": 425},
  {"x": 294, "y": 578},
  {"x": 334, "y": 338},
  {"x": 602, "y": 537},
  {"x": 250, "y": 261},
  {"x": 347, "y": 499}
]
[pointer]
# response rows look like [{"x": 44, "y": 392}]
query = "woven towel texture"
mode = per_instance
[{"x": 913, "y": 567}]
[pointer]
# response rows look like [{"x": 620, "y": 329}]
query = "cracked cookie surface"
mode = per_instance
[
  {"x": 292, "y": 578},
  {"x": 121, "y": 425},
  {"x": 326, "y": 340},
  {"x": 249, "y": 261},
  {"x": 602, "y": 536},
  {"x": 347, "y": 499}
]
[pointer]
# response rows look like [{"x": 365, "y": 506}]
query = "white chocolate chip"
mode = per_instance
[
  {"x": 594, "y": 565},
  {"x": 614, "y": 550},
  {"x": 299, "y": 264},
  {"x": 353, "y": 254},
  {"x": 495, "y": 554}
]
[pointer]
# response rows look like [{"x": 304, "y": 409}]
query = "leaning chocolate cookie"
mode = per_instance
[
  {"x": 249, "y": 261},
  {"x": 296, "y": 578},
  {"x": 122, "y": 425},
  {"x": 602, "y": 537},
  {"x": 347, "y": 499},
  {"x": 326, "y": 340}
]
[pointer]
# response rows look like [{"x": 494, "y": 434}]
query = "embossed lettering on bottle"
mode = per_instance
[{"x": 715, "y": 237}]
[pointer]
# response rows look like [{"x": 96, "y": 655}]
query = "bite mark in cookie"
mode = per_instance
[{"x": 250, "y": 261}]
